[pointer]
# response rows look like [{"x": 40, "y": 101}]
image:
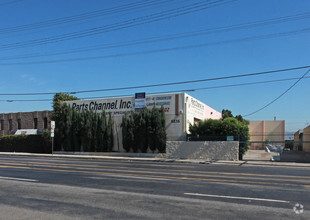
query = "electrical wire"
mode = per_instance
[
  {"x": 198, "y": 6},
  {"x": 83, "y": 16},
  {"x": 202, "y": 32},
  {"x": 187, "y": 47},
  {"x": 174, "y": 91},
  {"x": 270, "y": 103}
]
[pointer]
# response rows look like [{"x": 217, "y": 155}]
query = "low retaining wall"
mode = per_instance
[{"x": 208, "y": 150}]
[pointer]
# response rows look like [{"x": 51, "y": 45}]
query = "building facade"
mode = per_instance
[
  {"x": 302, "y": 139},
  {"x": 181, "y": 110},
  {"x": 266, "y": 132},
  {"x": 11, "y": 122}
]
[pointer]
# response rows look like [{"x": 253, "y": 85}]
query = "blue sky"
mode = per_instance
[{"x": 271, "y": 35}]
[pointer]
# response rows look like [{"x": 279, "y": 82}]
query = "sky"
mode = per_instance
[{"x": 80, "y": 45}]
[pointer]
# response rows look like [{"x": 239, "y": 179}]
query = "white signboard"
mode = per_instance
[
  {"x": 140, "y": 101},
  {"x": 121, "y": 105},
  {"x": 52, "y": 124}
]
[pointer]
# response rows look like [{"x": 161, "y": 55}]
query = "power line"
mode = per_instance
[
  {"x": 174, "y": 83},
  {"x": 169, "y": 37},
  {"x": 270, "y": 103},
  {"x": 191, "y": 8},
  {"x": 187, "y": 47},
  {"x": 164, "y": 92},
  {"x": 83, "y": 16}
]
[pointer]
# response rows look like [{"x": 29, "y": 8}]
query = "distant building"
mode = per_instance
[
  {"x": 11, "y": 122},
  {"x": 302, "y": 139},
  {"x": 266, "y": 132}
]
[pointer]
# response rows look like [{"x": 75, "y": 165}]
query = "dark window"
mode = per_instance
[
  {"x": 45, "y": 123},
  {"x": 19, "y": 124},
  {"x": 196, "y": 121},
  {"x": 10, "y": 124},
  {"x": 35, "y": 122},
  {"x": 2, "y": 125}
]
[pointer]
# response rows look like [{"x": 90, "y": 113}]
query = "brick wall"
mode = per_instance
[{"x": 9, "y": 122}]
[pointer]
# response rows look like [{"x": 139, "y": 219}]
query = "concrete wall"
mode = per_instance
[{"x": 208, "y": 150}]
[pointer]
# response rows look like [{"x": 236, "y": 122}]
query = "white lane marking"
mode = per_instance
[
  {"x": 18, "y": 179},
  {"x": 236, "y": 197}
]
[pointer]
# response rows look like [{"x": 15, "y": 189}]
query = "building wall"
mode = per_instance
[
  {"x": 180, "y": 110},
  {"x": 256, "y": 131},
  {"x": 27, "y": 121},
  {"x": 261, "y": 131},
  {"x": 196, "y": 110},
  {"x": 306, "y": 139},
  {"x": 297, "y": 139}
]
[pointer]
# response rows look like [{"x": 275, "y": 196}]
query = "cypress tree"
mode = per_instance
[
  {"x": 104, "y": 131},
  {"x": 75, "y": 130},
  {"x": 125, "y": 133},
  {"x": 100, "y": 134},
  {"x": 110, "y": 133},
  {"x": 82, "y": 130},
  {"x": 67, "y": 128},
  {"x": 162, "y": 135},
  {"x": 87, "y": 131}
]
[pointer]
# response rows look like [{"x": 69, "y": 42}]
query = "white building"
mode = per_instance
[{"x": 181, "y": 110}]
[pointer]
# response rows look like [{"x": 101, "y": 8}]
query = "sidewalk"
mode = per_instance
[{"x": 158, "y": 159}]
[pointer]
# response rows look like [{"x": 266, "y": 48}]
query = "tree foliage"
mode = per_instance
[
  {"x": 144, "y": 130},
  {"x": 59, "y": 117},
  {"x": 85, "y": 130},
  {"x": 218, "y": 130}
]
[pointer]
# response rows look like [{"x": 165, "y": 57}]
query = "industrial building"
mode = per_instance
[
  {"x": 302, "y": 139},
  {"x": 266, "y": 132},
  {"x": 11, "y": 122},
  {"x": 181, "y": 110}
]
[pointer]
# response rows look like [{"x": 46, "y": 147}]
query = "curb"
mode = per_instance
[{"x": 218, "y": 162}]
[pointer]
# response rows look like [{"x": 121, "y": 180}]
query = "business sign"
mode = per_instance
[
  {"x": 140, "y": 101},
  {"x": 52, "y": 124},
  {"x": 122, "y": 105},
  {"x": 230, "y": 138},
  {"x": 196, "y": 108},
  {"x": 116, "y": 106}
]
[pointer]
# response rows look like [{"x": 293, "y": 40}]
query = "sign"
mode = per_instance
[
  {"x": 52, "y": 124},
  {"x": 120, "y": 106},
  {"x": 140, "y": 101},
  {"x": 230, "y": 138},
  {"x": 52, "y": 134}
]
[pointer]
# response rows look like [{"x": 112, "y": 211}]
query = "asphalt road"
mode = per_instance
[{"x": 51, "y": 188}]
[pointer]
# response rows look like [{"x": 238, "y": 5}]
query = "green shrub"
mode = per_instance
[{"x": 26, "y": 143}]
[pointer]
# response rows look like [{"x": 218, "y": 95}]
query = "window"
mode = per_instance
[
  {"x": 19, "y": 124},
  {"x": 10, "y": 124},
  {"x": 35, "y": 122},
  {"x": 45, "y": 123},
  {"x": 196, "y": 121},
  {"x": 2, "y": 125}
]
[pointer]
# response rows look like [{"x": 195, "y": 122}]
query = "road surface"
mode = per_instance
[{"x": 54, "y": 188}]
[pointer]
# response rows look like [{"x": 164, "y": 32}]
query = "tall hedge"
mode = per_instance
[
  {"x": 26, "y": 143},
  {"x": 85, "y": 130},
  {"x": 144, "y": 130},
  {"x": 218, "y": 130}
]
